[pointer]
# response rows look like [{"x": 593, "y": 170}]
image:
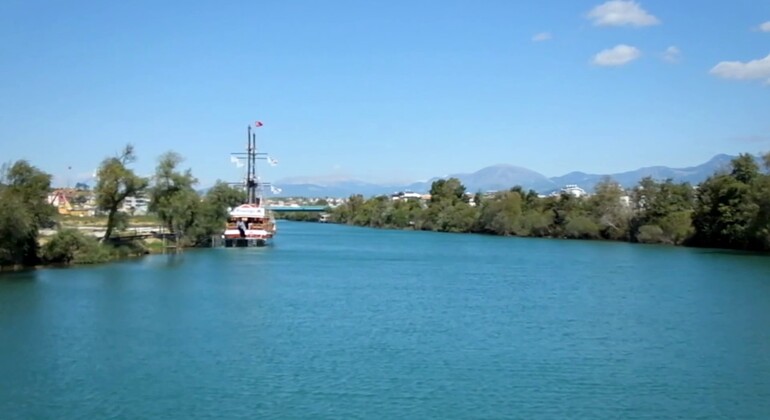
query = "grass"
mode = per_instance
[{"x": 101, "y": 221}]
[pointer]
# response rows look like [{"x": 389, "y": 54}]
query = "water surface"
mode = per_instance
[{"x": 342, "y": 322}]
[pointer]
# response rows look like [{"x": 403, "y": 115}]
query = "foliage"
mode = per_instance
[
  {"x": 730, "y": 209},
  {"x": 300, "y": 216},
  {"x": 24, "y": 209},
  {"x": 212, "y": 213},
  {"x": 650, "y": 234},
  {"x": 447, "y": 189},
  {"x": 115, "y": 183},
  {"x": 606, "y": 207},
  {"x": 69, "y": 246},
  {"x": 726, "y": 209},
  {"x": 501, "y": 214},
  {"x": 172, "y": 197},
  {"x": 666, "y": 205},
  {"x": 18, "y": 235}
]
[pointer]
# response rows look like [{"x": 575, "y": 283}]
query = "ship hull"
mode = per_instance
[{"x": 246, "y": 242}]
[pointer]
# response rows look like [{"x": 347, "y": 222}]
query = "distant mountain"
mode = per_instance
[
  {"x": 500, "y": 177},
  {"x": 339, "y": 189},
  {"x": 693, "y": 174},
  {"x": 503, "y": 177}
]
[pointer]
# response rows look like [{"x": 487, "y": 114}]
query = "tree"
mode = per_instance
[
  {"x": 115, "y": 183},
  {"x": 608, "y": 210},
  {"x": 23, "y": 211},
  {"x": 448, "y": 210},
  {"x": 663, "y": 205},
  {"x": 172, "y": 196},
  {"x": 447, "y": 189},
  {"x": 224, "y": 196},
  {"x": 745, "y": 168},
  {"x": 724, "y": 213},
  {"x": 213, "y": 212},
  {"x": 30, "y": 185},
  {"x": 71, "y": 246},
  {"x": 732, "y": 210},
  {"x": 500, "y": 214},
  {"x": 18, "y": 241}
]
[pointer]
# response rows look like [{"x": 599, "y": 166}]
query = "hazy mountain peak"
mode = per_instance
[{"x": 501, "y": 176}]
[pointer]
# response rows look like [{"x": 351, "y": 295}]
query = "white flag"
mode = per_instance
[
  {"x": 236, "y": 161},
  {"x": 272, "y": 161},
  {"x": 275, "y": 190}
]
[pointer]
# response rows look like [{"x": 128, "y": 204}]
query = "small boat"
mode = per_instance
[{"x": 251, "y": 223}]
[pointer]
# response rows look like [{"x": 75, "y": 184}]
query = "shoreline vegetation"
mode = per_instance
[
  {"x": 34, "y": 234},
  {"x": 730, "y": 210}
]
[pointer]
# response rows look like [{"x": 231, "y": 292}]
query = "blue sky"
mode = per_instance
[{"x": 384, "y": 91}]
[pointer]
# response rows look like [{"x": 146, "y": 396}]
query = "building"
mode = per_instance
[
  {"x": 573, "y": 190},
  {"x": 136, "y": 206},
  {"x": 406, "y": 195}
]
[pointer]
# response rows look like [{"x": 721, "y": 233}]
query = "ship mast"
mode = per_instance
[
  {"x": 251, "y": 172},
  {"x": 252, "y": 182}
]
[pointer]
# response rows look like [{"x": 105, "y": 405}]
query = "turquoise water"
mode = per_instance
[{"x": 342, "y": 322}]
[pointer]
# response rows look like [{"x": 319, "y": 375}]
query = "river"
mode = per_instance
[{"x": 343, "y": 322}]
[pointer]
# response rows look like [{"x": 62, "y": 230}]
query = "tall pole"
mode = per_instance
[
  {"x": 254, "y": 165},
  {"x": 249, "y": 179}
]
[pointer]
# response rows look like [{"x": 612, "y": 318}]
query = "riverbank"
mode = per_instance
[
  {"x": 728, "y": 210},
  {"x": 77, "y": 241}
]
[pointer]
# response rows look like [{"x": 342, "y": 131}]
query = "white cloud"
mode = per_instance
[
  {"x": 765, "y": 27},
  {"x": 751, "y": 70},
  {"x": 542, "y": 36},
  {"x": 621, "y": 13},
  {"x": 617, "y": 56},
  {"x": 672, "y": 54}
]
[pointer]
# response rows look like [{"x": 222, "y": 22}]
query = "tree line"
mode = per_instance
[
  {"x": 24, "y": 210},
  {"x": 730, "y": 209}
]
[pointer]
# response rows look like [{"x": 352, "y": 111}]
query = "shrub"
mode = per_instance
[
  {"x": 651, "y": 234},
  {"x": 70, "y": 246}
]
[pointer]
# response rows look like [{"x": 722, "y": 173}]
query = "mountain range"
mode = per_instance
[{"x": 500, "y": 177}]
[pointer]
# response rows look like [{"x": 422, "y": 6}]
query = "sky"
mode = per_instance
[{"x": 383, "y": 91}]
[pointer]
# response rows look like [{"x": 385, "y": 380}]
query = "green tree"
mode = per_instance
[
  {"x": 115, "y": 183},
  {"x": 745, "y": 168},
  {"x": 500, "y": 214},
  {"x": 30, "y": 186},
  {"x": 18, "y": 241},
  {"x": 608, "y": 210},
  {"x": 448, "y": 210},
  {"x": 213, "y": 212},
  {"x": 447, "y": 189},
  {"x": 761, "y": 196},
  {"x": 24, "y": 209},
  {"x": 561, "y": 208},
  {"x": 726, "y": 210},
  {"x": 69, "y": 246},
  {"x": 664, "y": 205},
  {"x": 172, "y": 197}
]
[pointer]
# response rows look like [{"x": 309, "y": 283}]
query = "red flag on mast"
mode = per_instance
[{"x": 258, "y": 124}]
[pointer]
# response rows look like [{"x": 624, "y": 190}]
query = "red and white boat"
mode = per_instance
[{"x": 249, "y": 225}]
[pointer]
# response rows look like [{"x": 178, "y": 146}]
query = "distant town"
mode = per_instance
[{"x": 80, "y": 201}]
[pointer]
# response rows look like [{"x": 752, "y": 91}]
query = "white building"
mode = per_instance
[
  {"x": 406, "y": 195},
  {"x": 136, "y": 205},
  {"x": 574, "y": 190}
]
